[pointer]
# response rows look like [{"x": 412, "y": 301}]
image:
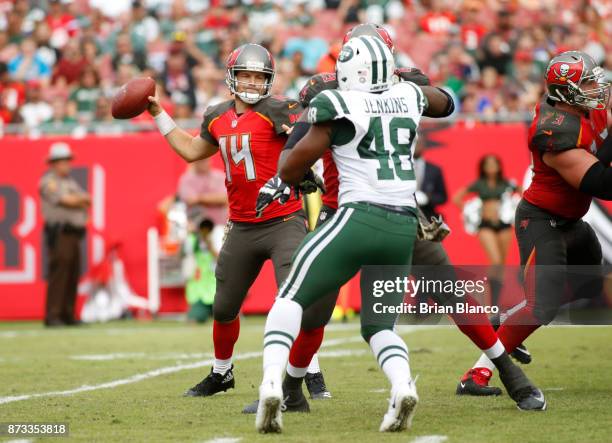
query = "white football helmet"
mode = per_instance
[{"x": 365, "y": 64}]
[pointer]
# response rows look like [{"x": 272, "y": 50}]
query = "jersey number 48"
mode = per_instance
[{"x": 376, "y": 138}]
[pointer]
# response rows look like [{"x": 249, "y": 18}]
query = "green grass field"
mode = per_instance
[{"x": 137, "y": 372}]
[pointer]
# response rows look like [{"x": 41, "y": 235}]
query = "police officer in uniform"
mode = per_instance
[{"x": 64, "y": 207}]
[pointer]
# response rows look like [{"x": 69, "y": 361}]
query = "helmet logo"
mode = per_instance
[
  {"x": 562, "y": 73},
  {"x": 346, "y": 54}
]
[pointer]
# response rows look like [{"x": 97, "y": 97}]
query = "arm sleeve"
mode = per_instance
[
  {"x": 598, "y": 181},
  {"x": 604, "y": 153},
  {"x": 299, "y": 131}
]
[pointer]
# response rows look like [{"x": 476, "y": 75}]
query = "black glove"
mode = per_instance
[
  {"x": 274, "y": 189},
  {"x": 310, "y": 183}
]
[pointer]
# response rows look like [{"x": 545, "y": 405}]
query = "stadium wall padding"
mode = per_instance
[{"x": 129, "y": 175}]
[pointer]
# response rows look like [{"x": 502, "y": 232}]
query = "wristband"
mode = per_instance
[{"x": 164, "y": 123}]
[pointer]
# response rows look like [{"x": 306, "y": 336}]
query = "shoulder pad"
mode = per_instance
[
  {"x": 556, "y": 130},
  {"x": 326, "y": 106},
  {"x": 413, "y": 75},
  {"x": 280, "y": 110},
  {"x": 218, "y": 109},
  {"x": 316, "y": 84}
]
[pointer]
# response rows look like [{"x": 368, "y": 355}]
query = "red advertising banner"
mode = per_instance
[{"x": 129, "y": 175}]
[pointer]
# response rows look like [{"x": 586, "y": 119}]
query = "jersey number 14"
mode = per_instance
[
  {"x": 242, "y": 154},
  {"x": 376, "y": 136}
]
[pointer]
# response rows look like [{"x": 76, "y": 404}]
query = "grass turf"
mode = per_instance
[{"x": 572, "y": 366}]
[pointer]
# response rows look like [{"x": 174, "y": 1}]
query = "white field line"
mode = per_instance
[
  {"x": 224, "y": 440},
  {"x": 430, "y": 439},
  {"x": 339, "y": 327},
  {"x": 170, "y": 370},
  {"x": 141, "y": 356}
]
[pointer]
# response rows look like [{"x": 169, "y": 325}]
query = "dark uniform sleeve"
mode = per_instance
[
  {"x": 413, "y": 75},
  {"x": 556, "y": 131},
  {"x": 280, "y": 111},
  {"x": 316, "y": 84},
  {"x": 210, "y": 115}
]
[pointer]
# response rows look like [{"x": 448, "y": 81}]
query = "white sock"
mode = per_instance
[
  {"x": 488, "y": 354},
  {"x": 222, "y": 366},
  {"x": 296, "y": 372},
  {"x": 282, "y": 327},
  {"x": 392, "y": 355},
  {"x": 313, "y": 367},
  {"x": 484, "y": 362}
]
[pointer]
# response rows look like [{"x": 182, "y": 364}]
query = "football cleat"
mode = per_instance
[
  {"x": 522, "y": 391},
  {"x": 315, "y": 383},
  {"x": 402, "y": 406},
  {"x": 293, "y": 401},
  {"x": 212, "y": 384},
  {"x": 476, "y": 382},
  {"x": 269, "y": 410},
  {"x": 530, "y": 399},
  {"x": 521, "y": 354}
]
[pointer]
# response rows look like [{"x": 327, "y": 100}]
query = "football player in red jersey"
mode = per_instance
[
  {"x": 427, "y": 254},
  {"x": 571, "y": 152},
  {"x": 249, "y": 133}
]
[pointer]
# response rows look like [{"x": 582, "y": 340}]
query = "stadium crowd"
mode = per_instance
[{"x": 62, "y": 60}]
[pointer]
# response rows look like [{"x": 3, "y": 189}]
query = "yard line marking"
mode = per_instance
[
  {"x": 224, "y": 440},
  {"x": 157, "y": 372},
  {"x": 141, "y": 356},
  {"x": 430, "y": 439}
]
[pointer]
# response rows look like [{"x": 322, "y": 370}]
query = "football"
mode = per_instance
[{"x": 131, "y": 99}]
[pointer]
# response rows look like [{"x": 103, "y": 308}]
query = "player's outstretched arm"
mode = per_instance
[
  {"x": 583, "y": 171},
  {"x": 305, "y": 153},
  {"x": 441, "y": 104},
  {"x": 184, "y": 144}
]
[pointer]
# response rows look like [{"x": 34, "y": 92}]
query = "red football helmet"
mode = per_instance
[
  {"x": 567, "y": 75},
  {"x": 371, "y": 29}
]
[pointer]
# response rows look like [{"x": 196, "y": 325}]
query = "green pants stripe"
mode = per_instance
[{"x": 358, "y": 235}]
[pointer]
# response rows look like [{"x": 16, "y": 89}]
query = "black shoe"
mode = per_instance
[
  {"x": 316, "y": 386},
  {"x": 476, "y": 382},
  {"x": 294, "y": 401},
  {"x": 530, "y": 399},
  {"x": 212, "y": 384},
  {"x": 521, "y": 354},
  {"x": 521, "y": 390}
]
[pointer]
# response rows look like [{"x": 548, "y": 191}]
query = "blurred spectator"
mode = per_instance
[
  {"x": 309, "y": 46},
  {"x": 438, "y": 19},
  {"x": 85, "y": 97},
  {"x": 126, "y": 55},
  {"x": 29, "y": 65},
  {"x": 35, "y": 111},
  {"x": 69, "y": 69},
  {"x": 177, "y": 78},
  {"x": 498, "y": 46},
  {"x": 12, "y": 95},
  {"x": 185, "y": 44},
  {"x": 62, "y": 24},
  {"x": 202, "y": 188},
  {"x": 62, "y": 121},
  {"x": 144, "y": 27}
]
